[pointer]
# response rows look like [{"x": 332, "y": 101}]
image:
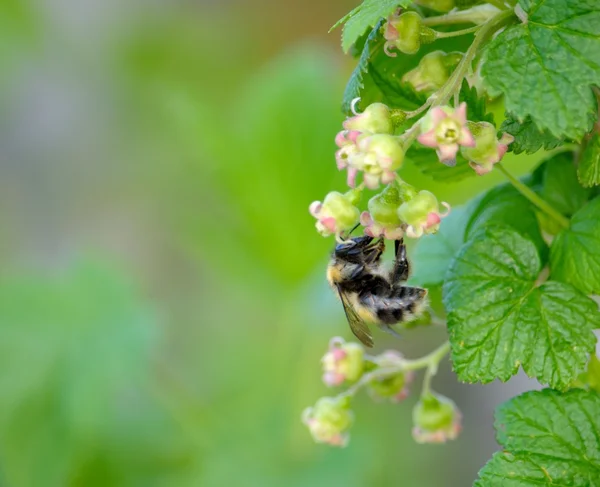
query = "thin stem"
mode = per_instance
[
  {"x": 454, "y": 82},
  {"x": 421, "y": 109},
  {"x": 429, "y": 361},
  {"x": 475, "y": 15},
  {"x": 534, "y": 198},
  {"x": 498, "y": 4},
  {"x": 456, "y": 33}
]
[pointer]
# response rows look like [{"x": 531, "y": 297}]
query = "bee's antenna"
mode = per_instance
[{"x": 353, "y": 228}]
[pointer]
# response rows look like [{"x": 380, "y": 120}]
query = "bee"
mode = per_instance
[{"x": 369, "y": 293}]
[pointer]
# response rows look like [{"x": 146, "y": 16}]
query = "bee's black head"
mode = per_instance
[{"x": 352, "y": 249}]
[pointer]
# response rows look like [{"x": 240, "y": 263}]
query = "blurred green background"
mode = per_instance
[{"x": 163, "y": 307}]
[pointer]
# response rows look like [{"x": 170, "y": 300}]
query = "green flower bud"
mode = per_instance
[
  {"x": 394, "y": 387},
  {"x": 421, "y": 214},
  {"x": 406, "y": 33},
  {"x": 488, "y": 149},
  {"x": 376, "y": 119},
  {"x": 436, "y": 419},
  {"x": 329, "y": 420},
  {"x": 438, "y": 5},
  {"x": 382, "y": 217},
  {"x": 433, "y": 71},
  {"x": 342, "y": 362},
  {"x": 337, "y": 213}
]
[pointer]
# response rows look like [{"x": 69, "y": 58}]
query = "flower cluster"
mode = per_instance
[
  {"x": 386, "y": 376},
  {"x": 366, "y": 144}
]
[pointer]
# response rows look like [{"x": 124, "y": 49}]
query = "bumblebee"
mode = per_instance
[{"x": 369, "y": 293}]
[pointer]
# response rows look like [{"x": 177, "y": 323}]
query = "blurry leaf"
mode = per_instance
[
  {"x": 527, "y": 136},
  {"x": 493, "y": 300},
  {"x": 433, "y": 253},
  {"x": 547, "y": 438},
  {"x": 366, "y": 15},
  {"x": 589, "y": 162},
  {"x": 74, "y": 359},
  {"x": 591, "y": 377},
  {"x": 574, "y": 254}
]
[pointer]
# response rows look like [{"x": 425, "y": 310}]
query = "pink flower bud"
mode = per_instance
[
  {"x": 405, "y": 33},
  {"x": 446, "y": 129},
  {"x": 422, "y": 214},
  {"x": 488, "y": 150},
  {"x": 336, "y": 214},
  {"x": 342, "y": 362},
  {"x": 381, "y": 155},
  {"x": 394, "y": 387},
  {"x": 436, "y": 419},
  {"x": 328, "y": 420}
]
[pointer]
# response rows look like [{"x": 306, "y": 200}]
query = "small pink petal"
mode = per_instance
[
  {"x": 366, "y": 219},
  {"x": 340, "y": 139},
  {"x": 437, "y": 114},
  {"x": 351, "y": 179},
  {"x": 333, "y": 378},
  {"x": 371, "y": 181},
  {"x": 338, "y": 354},
  {"x": 506, "y": 139},
  {"x": 432, "y": 219},
  {"x": 460, "y": 113},
  {"x": 341, "y": 159},
  {"x": 388, "y": 177},
  {"x": 428, "y": 139},
  {"x": 390, "y": 33},
  {"x": 386, "y": 48},
  {"x": 466, "y": 138},
  {"x": 315, "y": 208},
  {"x": 447, "y": 152},
  {"x": 393, "y": 234},
  {"x": 502, "y": 148},
  {"x": 329, "y": 223},
  {"x": 480, "y": 170}
]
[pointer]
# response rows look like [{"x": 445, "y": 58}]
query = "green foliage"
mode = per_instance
[
  {"x": 574, "y": 256},
  {"x": 433, "y": 253},
  {"x": 548, "y": 438},
  {"x": 366, "y": 15},
  {"x": 546, "y": 66},
  {"x": 500, "y": 206},
  {"x": 500, "y": 318},
  {"x": 591, "y": 377},
  {"x": 589, "y": 163},
  {"x": 426, "y": 160},
  {"x": 75, "y": 355},
  {"x": 528, "y": 138}
]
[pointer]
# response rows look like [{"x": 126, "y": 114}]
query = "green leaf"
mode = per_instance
[
  {"x": 476, "y": 105},
  {"x": 559, "y": 184},
  {"x": 528, "y": 137},
  {"x": 548, "y": 438},
  {"x": 574, "y": 254},
  {"x": 429, "y": 164},
  {"x": 500, "y": 319},
  {"x": 506, "y": 206},
  {"x": 591, "y": 377},
  {"x": 366, "y": 15},
  {"x": 589, "y": 163},
  {"x": 433, "y": 253},
  {"x": 546, "y": 66}
]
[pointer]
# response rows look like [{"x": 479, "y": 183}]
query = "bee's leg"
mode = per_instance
[
  {"x": 373, "y": 252},
  {"x": 388, "y": 329},
  {"x": 401, "y": 268}
]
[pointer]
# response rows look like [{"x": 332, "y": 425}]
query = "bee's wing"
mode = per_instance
[{"x": 357, "y": 325}]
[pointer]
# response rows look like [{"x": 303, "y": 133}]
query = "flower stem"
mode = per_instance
[
  {"x": 475, "y": 15},
  {"x": 455, "y": 81},
  {"x": 534, "y": 198},
  {"x": 498, "y": 4},
  {"x": 456, "y": 33},
  {"x": 429, "y": 361}
]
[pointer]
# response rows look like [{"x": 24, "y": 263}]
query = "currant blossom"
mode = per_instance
[
  {"x": 395, "y": 387},
  {"x": 337, "y": 213},
  {"x": 329, "y": 420},
  {"x": 382, "y": 218},
  {"x": 342, "y": 362},
  {"x": 422, "y": 214},
  {"x": 446, "y": 129},
  {"x": 488, "y": 149},
  {"x": 379, "y": 156},
  {"x": 376, "y": 119},
  {"x": 436, "y": 419},
  {"x": 406, "y": 33}
]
